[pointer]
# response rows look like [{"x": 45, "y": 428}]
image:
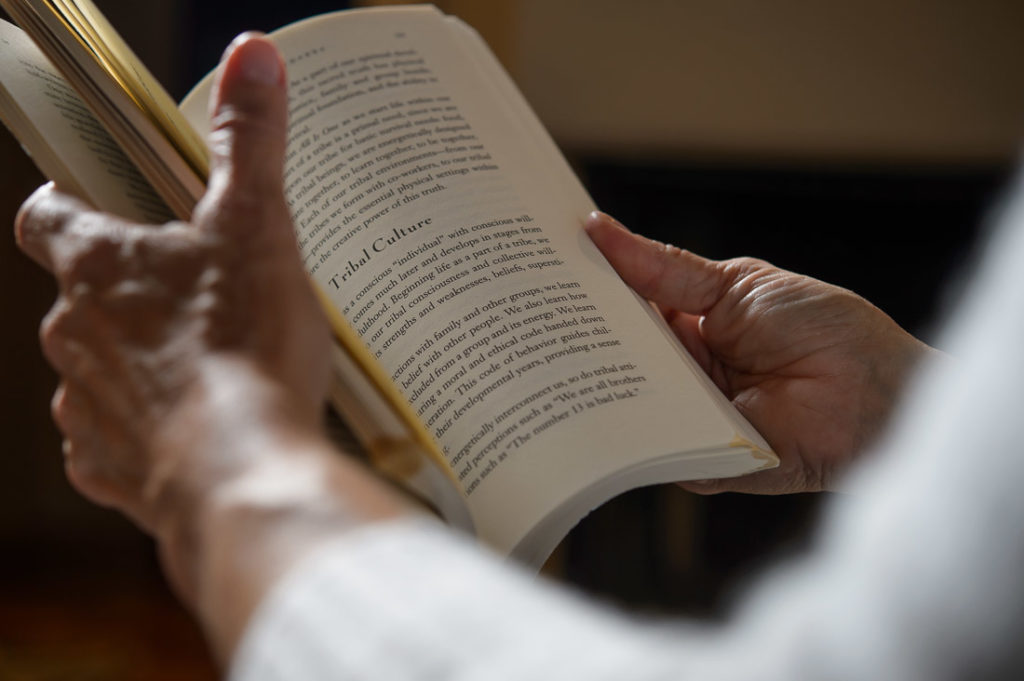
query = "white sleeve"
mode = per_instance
[
  {"x": 919, "y": 573},
  {"x": 411, "y": 600}
]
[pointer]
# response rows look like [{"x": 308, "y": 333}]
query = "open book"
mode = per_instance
[{"x": 487, "y": 353}]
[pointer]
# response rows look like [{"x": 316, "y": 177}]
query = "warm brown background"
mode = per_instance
[{"x": 856, "y": 140}]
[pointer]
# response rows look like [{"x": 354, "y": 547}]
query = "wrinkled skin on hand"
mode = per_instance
[
  {"x": 155, "y": 322},
  {"x": 815, "y": 368},
  {"x": 194, "y": 364}
]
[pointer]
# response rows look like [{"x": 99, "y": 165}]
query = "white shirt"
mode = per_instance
[{"x": 918, "y": 574}]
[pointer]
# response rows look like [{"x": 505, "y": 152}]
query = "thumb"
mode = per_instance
[
  {"x": 667, "y": 275},
  {"x": 249, "y": 121}
]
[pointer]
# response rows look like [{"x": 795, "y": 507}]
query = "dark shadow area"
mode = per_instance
[{"x": 208, "y": 27}]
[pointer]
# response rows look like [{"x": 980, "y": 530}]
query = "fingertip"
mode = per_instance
[
  {"x": 249, "y": 123},
  {"x": 43, "y": 215},
  {"x": 260, "y": 62},
  {"x": 251, "y": 73},
  {"x": 598, "y": 221},
  {"x": 251, "y": 58},
  {"x": 237, "y": 41},
  {"x": 610, "y": 236},
  {"x": 26, "y": 210}
]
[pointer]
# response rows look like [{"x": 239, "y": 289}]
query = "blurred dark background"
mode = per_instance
[{"x": 859, "y": 142}]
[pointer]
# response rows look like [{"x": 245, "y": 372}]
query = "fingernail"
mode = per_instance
[
  {"x": 258, "y": 60},
  {"x": 237, "y": 41},
  {"x": 598, "y": 216}
]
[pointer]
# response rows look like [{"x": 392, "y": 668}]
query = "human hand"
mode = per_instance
[
  {"x": 815, "y": 368},
  {"x": 155, "y": 325},
  {"x": 194, "y": 364}
]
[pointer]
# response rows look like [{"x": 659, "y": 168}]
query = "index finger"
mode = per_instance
[{"x": 44, "y": 214}]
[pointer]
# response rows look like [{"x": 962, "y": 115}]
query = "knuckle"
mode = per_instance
[
  {"x": 58, "y": 405},
  {"x": 168, "y": 253},
  {"x": 61, "y": 335},
  {"x": 61, "y": 409},
  {"x": 89, "y": 258},
  {"x": 736, "y": 267},
  {"x": 99, "y": 250},
  {"x": 244, "y": 209},
  {"x": 54, "y": 346},
  {"x": 248, "y": 143},
  {"x": 656, "y": 276},
  {"x": 175, "y": 235},
  {"x": 247, "y": 134},
  {"x": 244, "y": 119},
  {"x": 746, "y": 275},
  {"x": 52, "y": 330},
  {"x": 242, "y": 206}
]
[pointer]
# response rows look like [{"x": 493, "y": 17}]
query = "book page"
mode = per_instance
[
  {"x": 142, "y": 133},
  {"x": 64, "y": 138},
  {"x": 447, "y": 229}
]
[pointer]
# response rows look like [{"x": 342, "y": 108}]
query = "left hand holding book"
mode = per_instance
[{"x": 194, "y": 360}]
